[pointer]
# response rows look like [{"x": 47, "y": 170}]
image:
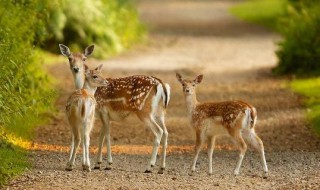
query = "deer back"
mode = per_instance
[
  {"x": 127, "y": 94},
  {"x": 228, "y": 111}
]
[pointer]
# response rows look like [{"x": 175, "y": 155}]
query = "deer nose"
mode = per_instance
[
  {"x": 76, "y": 70},
  {"x": 188, "y": 90}
]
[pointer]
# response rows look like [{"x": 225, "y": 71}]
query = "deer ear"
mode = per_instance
[
  {"x": 88, "y": 51},
  {"x": 99, "y": 68},
  {"x": 179, "y": 77},
  {"x": 198, "y": 79},
  {"x": 64, "y": 50},
  {"x": 86, "y": 68}
]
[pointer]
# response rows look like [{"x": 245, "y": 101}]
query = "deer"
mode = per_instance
[
  {"x": 145, "y": 97},
  {"x": 80, "y": 110},
  {"x": 235, "y": 119}
]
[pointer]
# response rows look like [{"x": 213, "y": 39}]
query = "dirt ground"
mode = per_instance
[{"x": 191, "y": 37}]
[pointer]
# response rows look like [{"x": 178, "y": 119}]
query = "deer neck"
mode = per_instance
[
  {"x": 79, "y": 80},
  {"x": 89, "y": 88},
  {"x": 191, "y": 102}
]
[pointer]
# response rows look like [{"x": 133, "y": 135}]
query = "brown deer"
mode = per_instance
[
  {"x": 80, "y": 109},
  {"x": 235, "y": 119},
  {"x": 146, "y": 97}
]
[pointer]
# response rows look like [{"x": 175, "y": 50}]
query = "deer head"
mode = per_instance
[
  {"x": 189, "y": 86},
  {"x": 77, "y": 62},
  {"x": 94, "y": 78}
]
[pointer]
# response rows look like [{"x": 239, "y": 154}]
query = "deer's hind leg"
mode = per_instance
[
  {"x": 161, "y": 121},
  {"x": 157, "y": 131},
  {"x": 74, "y": 146},
  {"x": 251, "y": 137},
  {"x": 211, "y": 143}
]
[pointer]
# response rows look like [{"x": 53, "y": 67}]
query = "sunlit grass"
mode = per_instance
[
  {"x": 15, "y": 142},
  {"x": 262, "y": 12},
  {"x": 310, "y": 88},
  {"x": 14, "y": 160}
]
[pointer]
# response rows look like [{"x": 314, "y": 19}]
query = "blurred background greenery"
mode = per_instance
[
  {"x": 298, "y": 22},
  {"x": 27, "y": 29}
]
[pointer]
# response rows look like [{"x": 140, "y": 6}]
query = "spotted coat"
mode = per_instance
[
  {"x": 127, "y": 94},
  {"x": 228, "y": 111}
]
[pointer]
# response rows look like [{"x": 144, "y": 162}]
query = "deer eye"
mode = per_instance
[
  {"x": 84, "y": 59},
  {"x": 183, "y": 85},
  {"x": 95, "y": 76},
  {"x": 70, "y": 59}
]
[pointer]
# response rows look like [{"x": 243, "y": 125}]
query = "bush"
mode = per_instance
[
  {"x": 24, "y": 88},
  {"x": 300, "y": 50},
  {"x": 112, "y": 25},
  {"x": 262, "y": 12}
]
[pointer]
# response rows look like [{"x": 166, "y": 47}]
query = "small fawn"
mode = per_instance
[
  {"x": 80, "y": 109},
  {"x": 232, "y": 118}
]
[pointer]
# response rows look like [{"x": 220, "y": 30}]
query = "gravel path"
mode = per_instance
[{"x": 190, "y": 37}]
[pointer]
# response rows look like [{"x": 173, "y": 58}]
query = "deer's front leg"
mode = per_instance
[
  {"x": 100, "y": 146},
  {"x": 197, "y": 150},
  {"x": 211, "y": 143},
  {"x": 74, "y": 147}
]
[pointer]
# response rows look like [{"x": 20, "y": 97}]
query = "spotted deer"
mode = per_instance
[
  {"x": 80, "y": 109},
  {"x": 146, "y": 97},
  {"x": 235, "y": 119}
]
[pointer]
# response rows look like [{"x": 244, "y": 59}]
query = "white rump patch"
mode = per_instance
[
  {"x": 166, "y": 85},
  {"x": 157, "y": 97},
  {"x": 246, "y": 120}
]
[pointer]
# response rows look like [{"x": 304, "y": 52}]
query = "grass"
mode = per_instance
[
  {"x": 262, "y": 12},
  {"x": 310, "y": 89},
  {"x": 14, "y": 160},
  {"x": 14, "y": 145}
]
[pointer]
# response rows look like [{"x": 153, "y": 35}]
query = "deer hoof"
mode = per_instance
[
  {"x": 86, "y": 168},
  {"x": 147, "y": 171},
  {"x": 161, "y": 171},
  {"x": 108, "y": 168}
]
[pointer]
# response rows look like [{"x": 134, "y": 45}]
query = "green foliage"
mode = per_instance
[
  {"x": 112, "y": 25},
  {"x": 262, "y": 12},
  {"x": 24, "y": 88},
  {"x": 300, "y": 50},
  {"x": 13, "y": 161},
  {"x": 310, "y": 88}
]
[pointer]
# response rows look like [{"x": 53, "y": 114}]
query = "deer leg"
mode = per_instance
[
  {"x": 157, "y": 131},
  {"x": 100, "y": 146},
  {"x": 243, "y": 149},
  {"x": 85, "y": 144},
  {"x": 74, "y": 145},
  {"x": 211, "y": 143},
  {"x": 109, "y": 156},
  {"x": 164, "y": 143},
  {"x": 257, "y": 143},
  {"x": 103, "y": 133},
  {"x": 71, "y": 148},
  {"x": 197, "y": 150}
]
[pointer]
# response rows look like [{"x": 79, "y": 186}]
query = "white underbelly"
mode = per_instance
[{"x": 213, "y": 127}]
